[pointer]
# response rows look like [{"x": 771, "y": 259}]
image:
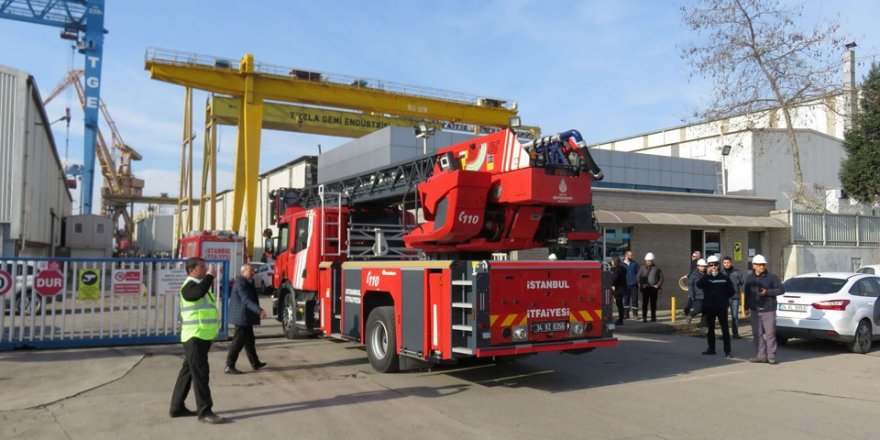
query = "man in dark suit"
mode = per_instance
[{"x": 244, "y": 313}]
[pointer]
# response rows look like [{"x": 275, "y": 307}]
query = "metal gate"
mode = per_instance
[{"x": 75, "y": 302}]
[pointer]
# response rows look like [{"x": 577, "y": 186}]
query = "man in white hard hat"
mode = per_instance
[
  {"x": 695, "y": 299},
  {"x": 761, "y": 290},
  {"x": 650, "y": 282}
]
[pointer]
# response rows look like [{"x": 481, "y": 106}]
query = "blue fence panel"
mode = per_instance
[{"x": 77, "y": 302}]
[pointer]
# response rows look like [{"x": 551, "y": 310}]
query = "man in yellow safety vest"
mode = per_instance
[{"x": 199, "y": 325}]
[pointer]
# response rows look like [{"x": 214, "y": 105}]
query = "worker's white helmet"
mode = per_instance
[
  {"x": 649, "y": 256},
  {"x": 712, "y": 259},
  {"x": 759, "y": 259},
  {"x": 551, "y": 257},
  {"x": 701, "y": 262}
]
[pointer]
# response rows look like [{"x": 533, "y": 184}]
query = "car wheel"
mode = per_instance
[
  {"x": 382, "y": 340},
  {"x": 862, "y": 341}
]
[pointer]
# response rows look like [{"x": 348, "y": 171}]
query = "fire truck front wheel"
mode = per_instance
[
  {"x": 289, "y": 316},
  {"x": 382, "y": 340}
]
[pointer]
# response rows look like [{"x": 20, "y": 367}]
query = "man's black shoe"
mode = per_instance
[
  {"x": 709, "y": 352},
  {"x": 232, "y": 370},
  {"x": 212, "y": 418},
  {"x": 186, "y": 412},
  {"x": 260, "y": 365}
]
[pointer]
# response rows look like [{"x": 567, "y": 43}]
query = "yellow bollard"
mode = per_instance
[
  {"x": 742, "y": 305},
  {"x": 673, "y": 310}
]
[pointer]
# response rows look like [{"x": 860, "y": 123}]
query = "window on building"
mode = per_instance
[
  {"x": 99, "y": 229},
  {"x": 616, "y": 242},
  {"x": 78, "y": 228},
  {"x": 707, "y": 242}
]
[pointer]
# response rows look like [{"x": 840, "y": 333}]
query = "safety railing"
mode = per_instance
[{"x": 68, "y": 302}]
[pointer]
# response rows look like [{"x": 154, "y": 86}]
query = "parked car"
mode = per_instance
[
  {"x": 838, "y": 306},
  {"x": 872, "y": 269},
  {"x": 263, "y": 277},
  {"x": 21, "y": 296}
]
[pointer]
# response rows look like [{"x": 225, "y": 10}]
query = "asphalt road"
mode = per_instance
[{"x": 652, "y": 386}]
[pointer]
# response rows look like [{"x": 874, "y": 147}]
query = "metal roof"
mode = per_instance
[{"x": 683, "y": 219}]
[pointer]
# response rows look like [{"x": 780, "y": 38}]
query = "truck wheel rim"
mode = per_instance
[
  {"x": 288, "y": 316},
  {"x": 379, "y": 340}
]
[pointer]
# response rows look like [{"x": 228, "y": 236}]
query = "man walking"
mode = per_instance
[
  {"x": 650, "y": 281},
  {"x": 244, "y": 314},
  {"x": 631, "y": 299},
  {"x": 738, "y": 280},
  {"x": 717, "y": 290},
  {"x": 199, "y": 325},
  {"x": 761, "y": 289}
]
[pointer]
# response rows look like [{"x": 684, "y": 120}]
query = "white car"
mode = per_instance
[
  {"x": 872, "y": 269},
  {"x": 21, "y": 296},
  {"x": 263, "y": 277},
  {"x": 838, "y": 306}
]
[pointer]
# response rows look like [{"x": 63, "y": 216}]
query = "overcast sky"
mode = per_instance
[{"x": 607, "y": 68}]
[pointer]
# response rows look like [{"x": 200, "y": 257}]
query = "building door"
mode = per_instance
[
  {"x": 755, "y": 248},
  {"x": 707, "y": 242}
]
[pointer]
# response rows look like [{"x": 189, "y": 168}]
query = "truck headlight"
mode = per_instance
[{"x": 520, "y": 333}]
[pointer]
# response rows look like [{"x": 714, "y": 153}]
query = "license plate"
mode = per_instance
[
  {"x": 793, "y": 307},
  {"x": 549, "y": 326}
]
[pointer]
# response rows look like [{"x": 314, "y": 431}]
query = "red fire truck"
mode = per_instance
[
  {"x": 215, "y": 245},
  {"x": 353, "y": 262}
]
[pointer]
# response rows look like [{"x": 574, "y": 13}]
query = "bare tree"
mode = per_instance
[{"x": 760, "y": 61}]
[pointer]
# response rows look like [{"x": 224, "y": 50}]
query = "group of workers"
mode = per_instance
[{"x": 714, "y": 286}]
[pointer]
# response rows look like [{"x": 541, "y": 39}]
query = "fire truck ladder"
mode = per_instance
[
  {"x": 464, "y": 322},
  {"x": 331, "y": 219}
]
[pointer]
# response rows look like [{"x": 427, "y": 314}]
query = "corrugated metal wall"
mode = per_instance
[
  {"x": 33, "y": 192},
  {"x": 8, "y": 94}
]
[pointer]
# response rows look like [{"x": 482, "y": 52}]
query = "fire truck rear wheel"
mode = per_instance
[{"x": 382, "y": 340}]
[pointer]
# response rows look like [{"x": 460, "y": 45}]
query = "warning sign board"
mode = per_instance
[
  {"x": 169, "y": 280},
  {"x": 126, "y": 281},
  {"x": 49, "y": 282},
  {"x": 5, "y": 282},
  {"x": 89, "y": 285}
]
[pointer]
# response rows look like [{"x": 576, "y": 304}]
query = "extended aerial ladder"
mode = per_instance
[
  {"x": 254, "y": 83},
  {"x": 120, "y": 184}
]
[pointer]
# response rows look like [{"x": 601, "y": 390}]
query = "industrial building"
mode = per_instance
[{"x": 34, "y": 197}]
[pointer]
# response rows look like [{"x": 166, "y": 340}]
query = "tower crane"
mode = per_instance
[
  {"x": 119, "y": 181},
  {"x": 253, "y": 83},
  {"x": 83, "y": 22}
]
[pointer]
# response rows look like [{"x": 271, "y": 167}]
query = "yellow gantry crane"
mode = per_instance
[
  {"x": 120, "y": 185},
  {"x": 254, "y": 83}
]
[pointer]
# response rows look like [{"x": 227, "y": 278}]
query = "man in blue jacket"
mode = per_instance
[
  {"x": 631, "y": 298},
  {"x": 244, "y": 313},
  {"x": 762, "y": 288}
]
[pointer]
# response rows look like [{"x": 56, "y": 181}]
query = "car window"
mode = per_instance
[
  {"x": 813, "y": 285},
  {"x": 870, "y": 287},
  {"x": 868, "y": 270}
]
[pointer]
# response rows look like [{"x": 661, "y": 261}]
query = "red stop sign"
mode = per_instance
[{"x": 49, "y": 282}]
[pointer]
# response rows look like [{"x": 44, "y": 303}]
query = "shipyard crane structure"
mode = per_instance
[
  {"x": 120, "y": 187},
  {"x": 257, "y": 84},
  {"x": 81, "y": 21}
]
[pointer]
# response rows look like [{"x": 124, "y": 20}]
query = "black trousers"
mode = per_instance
[
  {"x": 710, "y": 315},
  {"x": 243, "y": 338},
  {"x": 195, "y": 372},
  {"x": 618, "y": 298},
  {"x": 649, "y": 294}
]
